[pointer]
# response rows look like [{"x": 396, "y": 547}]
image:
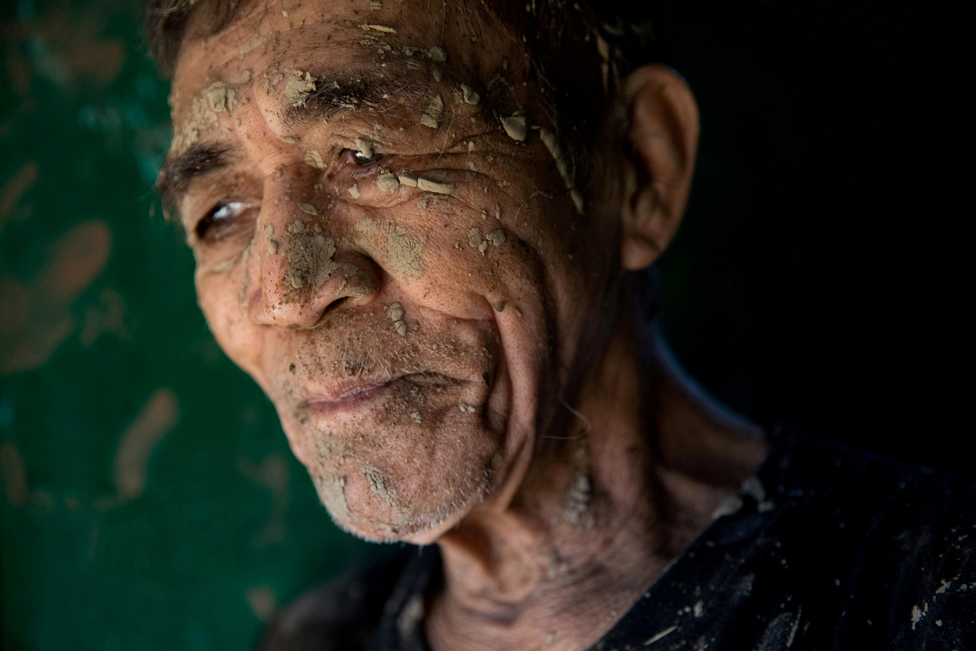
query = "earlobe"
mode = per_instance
[{"x": 663, "y": 133}]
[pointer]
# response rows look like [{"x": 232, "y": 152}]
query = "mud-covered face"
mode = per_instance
[{"x": 386, "y": 244}]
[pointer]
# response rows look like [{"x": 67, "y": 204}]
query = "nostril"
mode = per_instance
[
  {"x": 329, "y": 308},
  {"x": 334, "y": 304}
]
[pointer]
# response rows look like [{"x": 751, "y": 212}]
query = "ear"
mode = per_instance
[{"x": 663, "y": 132}]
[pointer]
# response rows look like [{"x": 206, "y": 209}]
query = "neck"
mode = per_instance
[{"x": 620, "y": 485}]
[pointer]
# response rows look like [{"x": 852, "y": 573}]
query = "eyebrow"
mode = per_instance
[
  {"x": 180, "y": 171},
  {"x": 361, "y": 92}
]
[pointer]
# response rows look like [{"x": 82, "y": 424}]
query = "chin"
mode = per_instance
[
  {"x": 407, "y": 466},
  {"x": 372, "y": 507}
]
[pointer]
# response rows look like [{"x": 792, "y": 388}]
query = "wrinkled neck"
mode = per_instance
[{"x": 624, "y": 479}]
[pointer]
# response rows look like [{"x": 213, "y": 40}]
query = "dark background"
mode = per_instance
[
  {"x": 149, "y": 500},
  {"x": 820, "y": 276}
]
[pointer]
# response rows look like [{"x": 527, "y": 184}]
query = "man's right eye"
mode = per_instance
[{"x": 219, "y": 218}]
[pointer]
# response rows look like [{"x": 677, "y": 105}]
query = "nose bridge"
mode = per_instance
[{"x": 301, "y": 267}]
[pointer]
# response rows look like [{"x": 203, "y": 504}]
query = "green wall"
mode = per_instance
[{"x": 148, "y": 498}]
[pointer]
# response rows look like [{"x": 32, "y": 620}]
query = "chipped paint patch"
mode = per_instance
[{"x": 156, "y": 418}]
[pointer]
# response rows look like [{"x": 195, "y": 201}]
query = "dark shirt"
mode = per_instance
[{"x": 826, "y": 548}]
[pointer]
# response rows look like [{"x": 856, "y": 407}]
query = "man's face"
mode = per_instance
[{"x": 405, "y": 280}]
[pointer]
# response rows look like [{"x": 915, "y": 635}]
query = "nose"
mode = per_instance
[{"x": 304, "y": 265}]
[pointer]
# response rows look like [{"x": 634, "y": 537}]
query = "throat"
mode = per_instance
[{"x": 619, "y": 487}]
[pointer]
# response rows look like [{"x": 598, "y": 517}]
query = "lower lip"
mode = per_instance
[{"x": 351, "y": 401}]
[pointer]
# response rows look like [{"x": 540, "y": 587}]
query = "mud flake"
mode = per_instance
[
  {"x": 434, "y": 114},
  {"x": 469, "y": 95},
  {"x": 563, "y": 165},
  {"x": 383, "y": 29},
  {"x": 272, "y": 247},
  {"x": 516, "y": 127},
  {"x": 216, "y": 98},
  {"x": 354, "y": 191},
  {"x": 437, "y": 54},
  {"x": 407, "y": 178},
  {"x": 253, "y": 44},
  {"x": 310, "y": 259},
  {"x": 395, "y": 312},
  {"x": 474, "y": 237},
  {"x": 577, "y": 198},
  {"x": 221, "y": 98},
  {"x": 314, "y": 159},
  {"x": 299, "y": 87},
  {"x": 497, "y": 238},
  {"x": 405, "y": 255},
  {"x": 387, "y": 181},
  {"x": 435, "y": 186},
  {"x": 365, "y": 146}
]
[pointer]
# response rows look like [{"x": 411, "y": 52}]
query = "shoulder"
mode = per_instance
[
  {"x": 881, "y": 498},
  {"x": 339, "y": 615},
  {"x": 826, "y": 548},
  {"x": 883, "y": 549}
]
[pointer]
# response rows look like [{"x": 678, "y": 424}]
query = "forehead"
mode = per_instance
[{"x": 337, "y": 36}]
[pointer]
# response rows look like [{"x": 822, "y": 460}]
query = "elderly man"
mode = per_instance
[{"x": 419, "y": 226}]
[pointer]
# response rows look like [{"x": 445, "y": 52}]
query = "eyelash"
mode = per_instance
[
  {"x": 366, "y": 162},
  {"x": 210, "y": 225}
]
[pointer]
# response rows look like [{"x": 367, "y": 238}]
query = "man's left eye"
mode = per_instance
[{"x": 362, "y": 159}]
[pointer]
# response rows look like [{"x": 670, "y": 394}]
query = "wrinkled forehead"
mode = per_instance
[{"x": 338, "y": 35}]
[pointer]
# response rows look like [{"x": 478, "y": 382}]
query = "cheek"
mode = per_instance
[{"x": 217, "y": 295}]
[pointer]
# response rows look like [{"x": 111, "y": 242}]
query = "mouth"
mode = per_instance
[
  {"x": 346, "y": 397},
  {"x": 354, "y": 395}
]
